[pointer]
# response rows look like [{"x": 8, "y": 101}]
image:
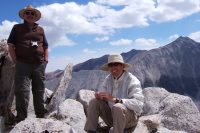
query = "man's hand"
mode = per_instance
[
  {"x": 105, "y": 96},
  {"x": 96, "y": 94}
]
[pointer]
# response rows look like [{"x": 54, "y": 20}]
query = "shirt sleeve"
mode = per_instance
[
  {"x": 12, "y": 37},
  {"x": 136, "y": 98}
]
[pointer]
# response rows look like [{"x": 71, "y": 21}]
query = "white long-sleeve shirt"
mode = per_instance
[{"x": 127, "y": 88}]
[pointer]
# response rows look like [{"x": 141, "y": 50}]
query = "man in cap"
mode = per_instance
[
  {"x": 28, "y": 48},
  {"x": 120, "y": 100}
]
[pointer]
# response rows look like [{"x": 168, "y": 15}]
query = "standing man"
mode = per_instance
[
  {"x": 120, "y": 101},
  {"x": 28, "y": 49}
]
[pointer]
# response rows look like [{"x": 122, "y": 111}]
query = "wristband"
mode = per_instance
[
  {"x": 117, "y": 100},
  {"x": 14, "y": 60}
]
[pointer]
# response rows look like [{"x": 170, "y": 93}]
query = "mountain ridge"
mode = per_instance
[
  {"x": 94, "y": 64},
  {"x": 174, "y": 66}
]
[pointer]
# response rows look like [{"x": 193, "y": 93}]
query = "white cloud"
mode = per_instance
[
  {"x": 145, "y": 42},
  {"x": 89, "y": 42},
  {"x": 59, "y": 20},
  {"x": 5, "y": 29},
  {"x": 121, "y": 42},
  {"x": 195, "y": 36},
  {"x": 134, "y": 14},
  {"x": 101, "y": 39},
  {"x": 57, "y": 38},
  {"x": 99, "y": 18},
  {"x": 121, "y": 2},
  {"x": 174, "y": 36},
  {"x": 87, "y": 51},
  {"x": 73, "y": 18},
  {"x": 103, "y": 17},
  {"x": 172, "y": 10}
]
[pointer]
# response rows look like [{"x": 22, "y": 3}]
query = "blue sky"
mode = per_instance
[{"x": 78, "y": 30}]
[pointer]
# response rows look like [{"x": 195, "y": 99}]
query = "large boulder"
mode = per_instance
[
  {"x": 7, "y": 74},
  {"x": 36, "y": 125},
  {"x": 71, "y": 112},
  {"x": 177, "y": 112},
  {"x": 84, "y": 97},
  {"x": 151, "y": 124},
  {"x": 153, "y": 98}
]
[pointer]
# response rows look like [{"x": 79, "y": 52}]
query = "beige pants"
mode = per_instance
[{"x": 119, "y": 117}]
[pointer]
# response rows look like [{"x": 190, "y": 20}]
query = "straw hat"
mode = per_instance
[
  {"x": 30, "y": 8},
  {"x": 115, "y": 58}
]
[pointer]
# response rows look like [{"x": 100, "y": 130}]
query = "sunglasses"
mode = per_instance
[
  {"x": 30, "y": 13},
  {"x": 114, "y": 64}
]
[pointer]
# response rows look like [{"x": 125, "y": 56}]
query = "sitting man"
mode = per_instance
[{"x": 119, "y": 102}]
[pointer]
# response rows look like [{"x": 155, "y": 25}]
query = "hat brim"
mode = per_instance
[
  {"x": 38, "y": 13},
  {"x": 105, "y": 67}
]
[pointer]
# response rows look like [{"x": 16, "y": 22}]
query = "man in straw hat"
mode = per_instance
[
  {"x": 120, "y": 100},
  {"x": 28, "y": 48}
]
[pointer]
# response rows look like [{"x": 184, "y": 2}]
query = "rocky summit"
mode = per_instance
[
  {"x": 163, "y": 112},
  {"x": 166, "y": 109}
]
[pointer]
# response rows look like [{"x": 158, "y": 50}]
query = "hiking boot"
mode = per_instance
[
  {"x": 91, "y": 131},
  {"x": 17, "y": 119}
]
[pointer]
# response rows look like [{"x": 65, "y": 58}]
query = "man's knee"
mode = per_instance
[
  {"x": 93, "y": 102},
  {"x": 117, "y": 108}
]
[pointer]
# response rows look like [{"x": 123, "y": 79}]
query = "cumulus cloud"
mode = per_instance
[
  {"x": 135, "y": 13},
  {"x": 195, "y": 36},
  {"x": 122, "y": 2},
  {"x": 57, "y": 37},
  {"x": 103, "y": 17},
  {"x": 145, "y": 42},
  {"x": 172, "y": 10},
  {"x": 5, "y": 29},
  {"x": 101, "y": 39},
  {"x": 174, "y": 36},
  {"x": 121, "y": 42},
  {"x": 87, "y": 51},
  {"x": 73, "y": 18}
]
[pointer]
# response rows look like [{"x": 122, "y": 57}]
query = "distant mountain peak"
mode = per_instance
[
  {"x": 183, "y": 39},
  {"x": 182, "y": 42}
]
